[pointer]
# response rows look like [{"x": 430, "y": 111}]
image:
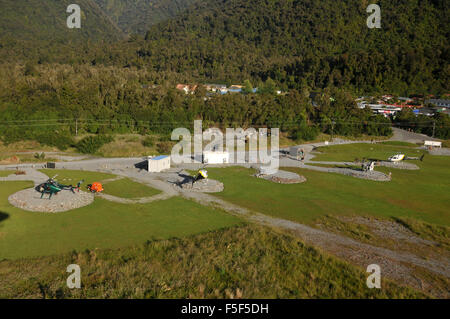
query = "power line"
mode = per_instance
[{"x": 162, "y": 124}]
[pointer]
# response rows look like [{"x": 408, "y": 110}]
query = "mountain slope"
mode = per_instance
[
  {"x": 320, "y": 43},
  {"x": 136, "y": 16},
  {"x": 30, "y": 26}
]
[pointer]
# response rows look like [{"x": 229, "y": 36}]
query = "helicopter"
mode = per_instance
[
  {"x": 402, "y": 157},
  {"x": 397, "y": 158},
  {"x": 202, "y": 174},
  {"x": 52, "y": 187}
]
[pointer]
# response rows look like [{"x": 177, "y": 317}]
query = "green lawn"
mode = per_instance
[
  {"x": 126, "y": 188},
  {"x": 6, "y": 173},
  {"x": 422, "y": 194},
  {"x": 103, "y": 224},
  {"x": 350, "y": 152},
  {"x": 399, "y": 143}
]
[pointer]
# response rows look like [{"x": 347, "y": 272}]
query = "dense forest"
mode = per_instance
[
  {"x": 308, "y": 43},
  {"x": 298, "y": 44},
  {"x": 53, "y": 83},
  {"x": 37, "y": 32},
  {"x": 136, "y": 16}
]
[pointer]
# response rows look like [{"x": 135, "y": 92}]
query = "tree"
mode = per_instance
[
  {"x": 248, "y": 87},
  {"x": 269, "y": 87}
]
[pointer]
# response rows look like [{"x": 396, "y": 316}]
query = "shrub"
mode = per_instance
[
  {"x": 40, "y": 156},
  {"x": 163, "y": 147},
  {"x": 91, "y": 144},
  {"x": 148, "y": 141},
  {"x": 60, "y": 140},
  {"x": 305, "y": 133}
]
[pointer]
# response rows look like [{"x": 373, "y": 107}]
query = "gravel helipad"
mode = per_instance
[
  {"x": 204, "y": 186},
  {"x": 30, "y": 200},
  {"x": 283, "y": 177}
]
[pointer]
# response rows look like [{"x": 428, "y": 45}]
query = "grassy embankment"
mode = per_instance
[{"x": 238, "y": 262}]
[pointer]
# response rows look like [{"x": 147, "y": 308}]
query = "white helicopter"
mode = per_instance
[{"x": 397, "y": 158}]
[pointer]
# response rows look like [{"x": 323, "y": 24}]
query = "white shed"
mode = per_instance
[
  {"x": 216, "y": 157},
  {"x": 158, "y": 164},
  {"x": 433, "y": 144}
]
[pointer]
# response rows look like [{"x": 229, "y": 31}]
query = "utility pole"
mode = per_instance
[
  {"x": 333, "y": 123},
  {"x": 434, "y": 127},
  {"x": 76, "y": 127}
]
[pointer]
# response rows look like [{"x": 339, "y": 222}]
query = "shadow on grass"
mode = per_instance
[{"x": 3, "y": 216}]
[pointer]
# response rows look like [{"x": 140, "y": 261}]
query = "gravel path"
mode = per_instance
[
  {"x": 373, "y": 175},
  {"x": 410, "y": 137},
  {"x": 58, "y": 155},
  {"x": 400, "y": 165},
  {"x": 143, "y": 200},
  {"x": 440, "y": 151},
  {"x": 30, "y": 175}
]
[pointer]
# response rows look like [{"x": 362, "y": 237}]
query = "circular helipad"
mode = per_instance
[
  {"x": 283, "y": 177},
  {"x": 30, "y": 200},
  {"x": 204, "y": 186}
]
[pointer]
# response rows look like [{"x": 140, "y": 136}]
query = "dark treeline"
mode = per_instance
[{"x": 57, "y": 100}]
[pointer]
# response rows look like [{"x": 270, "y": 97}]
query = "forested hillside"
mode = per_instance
[
  {"x": 308, "y": 42},
  {"x": 136, "y": 16},
  {"x": 300, "y": 44},
  {"x": 43, "y": 103},
  {"x": 37, "y": 30},
  {"x": 296, "y": 46}
]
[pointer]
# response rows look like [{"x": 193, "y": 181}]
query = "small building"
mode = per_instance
[
  {"x": 425, "y": 111},
  {"x": 235, "y": 89},
  {"x": 51, "y": 165},
  {"x": 216, "y": 157},
  {"x": 439, "y": 103},
  {"x": 215, "y": 87},
  {"x": 158, "y": 164},
  {"x": 186, "y": 88},
  {"x": 433, "y": 144}
]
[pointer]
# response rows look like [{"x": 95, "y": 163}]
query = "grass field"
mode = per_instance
[
  {"x": 242, "y": 262},
  {"x": 6, "y": 173},
  {"x": 126, "y": 188},
  {"x": 350, "y": 152},
  {"x": 399, "y": 143},
  {"x": 102, "y": 224},
  {"x": 422, "y": 194}
]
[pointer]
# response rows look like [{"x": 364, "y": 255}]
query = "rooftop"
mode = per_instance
[{"x": 158, "y": 158}]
